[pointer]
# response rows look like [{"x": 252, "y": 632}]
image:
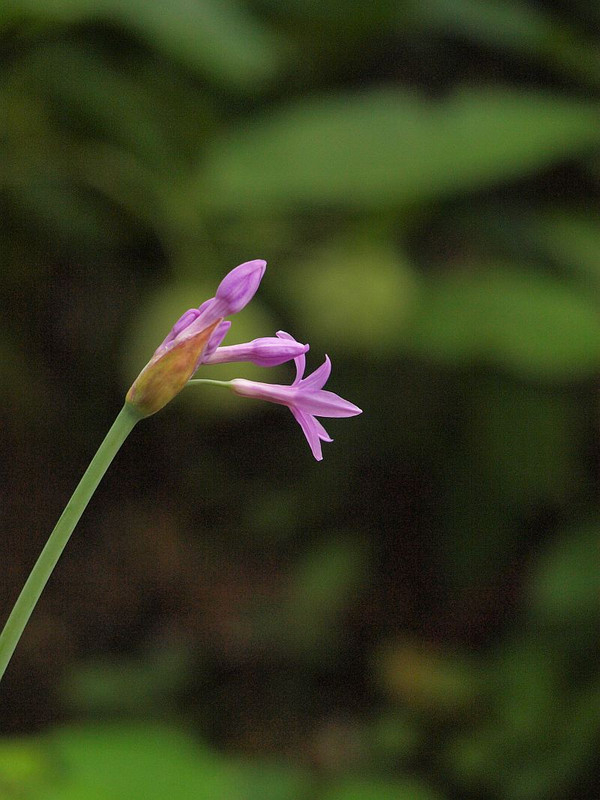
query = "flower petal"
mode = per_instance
[
  {"x": 220, "y": 333},
  {"x": 300, "y": 360},
  {"x": 272, "y": 392},
  {"x": 325, "y": 404},
  {"x": 323, "y": 435},
  {"x": 310, "y": 430},
  {"x": 319, "y": 377},
  {"x": 182, "y": 323}
]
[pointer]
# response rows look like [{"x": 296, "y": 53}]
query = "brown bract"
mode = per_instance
[{"x": 163, "y": 378}]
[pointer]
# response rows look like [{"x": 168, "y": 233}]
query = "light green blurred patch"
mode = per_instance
[
  {"x": 531, "y": 324},
  {"x": 24, "y": 768},
  {"x": 137, "y": 761},
  {"x": 356, "y": 296},
  {"x": 128, "y": 762},
  {"x": 384, "y": 147}
]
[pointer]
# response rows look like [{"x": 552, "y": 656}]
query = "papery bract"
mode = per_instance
[{"x": 166, "y": 375}]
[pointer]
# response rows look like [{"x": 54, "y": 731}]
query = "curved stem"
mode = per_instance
[
  {"x": 211, "y": 382},
  {"x": 34, "y": 585}
]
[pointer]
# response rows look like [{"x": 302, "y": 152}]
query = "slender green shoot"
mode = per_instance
[{"x": 30, "y": 594}]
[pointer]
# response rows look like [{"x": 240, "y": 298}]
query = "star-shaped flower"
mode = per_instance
[{"x": 305, "y": 398}]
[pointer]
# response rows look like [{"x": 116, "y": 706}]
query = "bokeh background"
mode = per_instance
[{"x": 414, "y": 618}]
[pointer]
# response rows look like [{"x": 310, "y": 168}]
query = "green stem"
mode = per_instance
[
  {"x": 226, "y": 384},
  {"x": 30, "y": 594}
]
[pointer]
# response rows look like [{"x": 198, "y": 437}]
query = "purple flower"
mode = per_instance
[
  {"x": 196, "y": 339},
  {"x": 198, "y": 331},
  {"x": 305, "y": 398}
]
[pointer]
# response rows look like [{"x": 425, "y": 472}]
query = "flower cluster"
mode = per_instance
[{"x": 196, "y": 339}]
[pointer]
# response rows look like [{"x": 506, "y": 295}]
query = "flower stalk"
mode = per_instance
[{"x": 38, "y": 578}]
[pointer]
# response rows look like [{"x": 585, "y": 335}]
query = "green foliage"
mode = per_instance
[
  {"x": 388, "y": 148},
  {"x": 116, "y": 762},
  {"x": 488, "y": 315},
  {"x": 416, "y": 617},
  {"x": 220, "y": 38}
]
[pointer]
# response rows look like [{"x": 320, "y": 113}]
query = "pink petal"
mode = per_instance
[
  {"x": 300, "y": 360},
  {"x": 307, "y": 423},
  {"x": 318, "y": 379},
  {"x": 215, "y": 340},
  {"x": 325, "y": 404}
]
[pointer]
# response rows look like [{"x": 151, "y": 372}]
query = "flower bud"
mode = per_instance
[
  {"x": 239, "y": 286},
  {"x": 268, "y": 351}
]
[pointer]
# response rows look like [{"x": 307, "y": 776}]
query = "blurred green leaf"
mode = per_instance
[
  {"x": 515, "y": 26},
  {"x": 528, "y": 323},
  {"x": 24, "y": 768},
  {"x": 259, "y": 780},
  {"x": 136, "y": 762},
  {"x": 133, "y": 762},
  {"x": 385, "y": 147},
  {"x": 508, "y": 22},
  {"x": 93, "y": 94},
  {"x": 525, "y": 688},
  {"x": 569, "y": 238},
  {"x": 565, "y": 586},
  {"x": 106, "y": 686},
  {"x": 214, "y": 37},
  {"x": 537, "y": 759}
]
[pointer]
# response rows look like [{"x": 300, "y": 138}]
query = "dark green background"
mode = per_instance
[{"x": 414, "y": 618}]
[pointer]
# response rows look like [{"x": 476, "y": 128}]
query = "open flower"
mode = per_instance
[{"x": 305, "y": 398}]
